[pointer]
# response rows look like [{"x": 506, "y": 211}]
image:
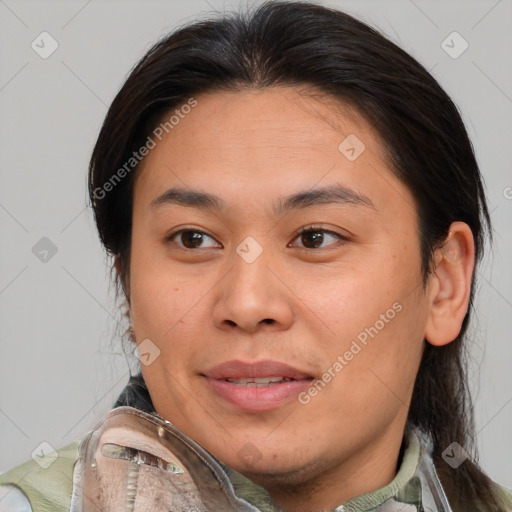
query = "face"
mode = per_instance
[{"x": 275, "y": 269}]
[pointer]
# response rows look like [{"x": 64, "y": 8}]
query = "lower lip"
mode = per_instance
[{"x": 258, "y": 399}]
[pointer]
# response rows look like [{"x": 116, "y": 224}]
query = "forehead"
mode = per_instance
[
  {"x": 277, "y": 118},
  {"x": 265, "y": 143}
]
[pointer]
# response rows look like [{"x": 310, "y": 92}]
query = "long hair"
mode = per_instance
[{"x": 304, "y": 44}]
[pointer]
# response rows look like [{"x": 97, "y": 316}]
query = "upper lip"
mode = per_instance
[{"x": 244, "y": 370}]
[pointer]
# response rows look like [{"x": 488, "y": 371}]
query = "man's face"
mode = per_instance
[{"x": 339, "y": 311}]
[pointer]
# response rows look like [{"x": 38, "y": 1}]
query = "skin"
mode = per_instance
[{"x": 301, "y": 301}]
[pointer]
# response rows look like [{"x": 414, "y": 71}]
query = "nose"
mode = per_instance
[{"x": 253, "y": 296}]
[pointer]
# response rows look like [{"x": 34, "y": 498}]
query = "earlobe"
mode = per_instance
[{"x": 449, "y": 287}]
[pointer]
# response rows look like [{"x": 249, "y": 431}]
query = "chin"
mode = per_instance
[
  {"x": 269, "y": 460},
  {"x": 294, "y": 473}
]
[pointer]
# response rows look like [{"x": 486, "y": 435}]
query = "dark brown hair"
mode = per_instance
[{"x": 303, "y": 44}]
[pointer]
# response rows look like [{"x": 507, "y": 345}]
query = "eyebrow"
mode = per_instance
[
  {"x": 329, "y": 194},
  {"x": 300, "y": 200}
]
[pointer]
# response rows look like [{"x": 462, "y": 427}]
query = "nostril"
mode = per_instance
[{"x": 269, "y": 320}]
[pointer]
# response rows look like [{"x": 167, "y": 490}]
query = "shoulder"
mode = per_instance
[{"x": 42, "y": 483}]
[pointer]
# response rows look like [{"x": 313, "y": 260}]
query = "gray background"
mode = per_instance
[{"x": 61, "y": 363}]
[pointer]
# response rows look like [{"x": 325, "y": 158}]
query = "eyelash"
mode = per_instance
[{"x": 306, "y": 229}]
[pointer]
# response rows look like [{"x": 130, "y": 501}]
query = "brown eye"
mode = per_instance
[
  {"x": 192, "y": 239},
  {"x": 312, "y": 239},
  {"x": 315, "y": 238}
]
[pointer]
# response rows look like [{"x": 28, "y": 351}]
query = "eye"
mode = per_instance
[
  {"x": 318, "y": 238},
  {"x": 192, "y": 239}
]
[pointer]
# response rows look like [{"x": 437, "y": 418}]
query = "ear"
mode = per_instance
[{"x": 449, "y": 285}]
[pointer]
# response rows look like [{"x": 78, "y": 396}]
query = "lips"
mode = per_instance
[
  {"x": 242, "y": 370},
  {"x": 256, "y": 387}
]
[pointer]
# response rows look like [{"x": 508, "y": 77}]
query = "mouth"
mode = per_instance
[
  {"x": 256, "y": 387},
  {"x": 259, "y": 382}
]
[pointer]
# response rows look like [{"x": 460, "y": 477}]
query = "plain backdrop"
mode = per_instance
[{"x": 61, "y": 361}]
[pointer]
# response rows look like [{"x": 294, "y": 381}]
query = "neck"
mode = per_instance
[{"x": 324, "y": 487}]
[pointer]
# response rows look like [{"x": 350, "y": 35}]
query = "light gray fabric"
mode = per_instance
[{"x": 12, "y": 499}]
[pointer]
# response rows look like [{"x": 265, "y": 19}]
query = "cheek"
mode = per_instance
[
  {"x": 161, "y": 300},
  {"x": 353, "y": 298},
  {"x": 384, "y": 359},
  {"x": 374, "y": 317}
]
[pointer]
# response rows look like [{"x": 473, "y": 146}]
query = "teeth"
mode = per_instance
[{"x": 259, "y": 382}]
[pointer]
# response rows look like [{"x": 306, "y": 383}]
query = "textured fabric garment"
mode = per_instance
[
  {"x": 143, "y": 462},
  {"x": 135, "y": 461},
  {"x": 48, "y": 483}
]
